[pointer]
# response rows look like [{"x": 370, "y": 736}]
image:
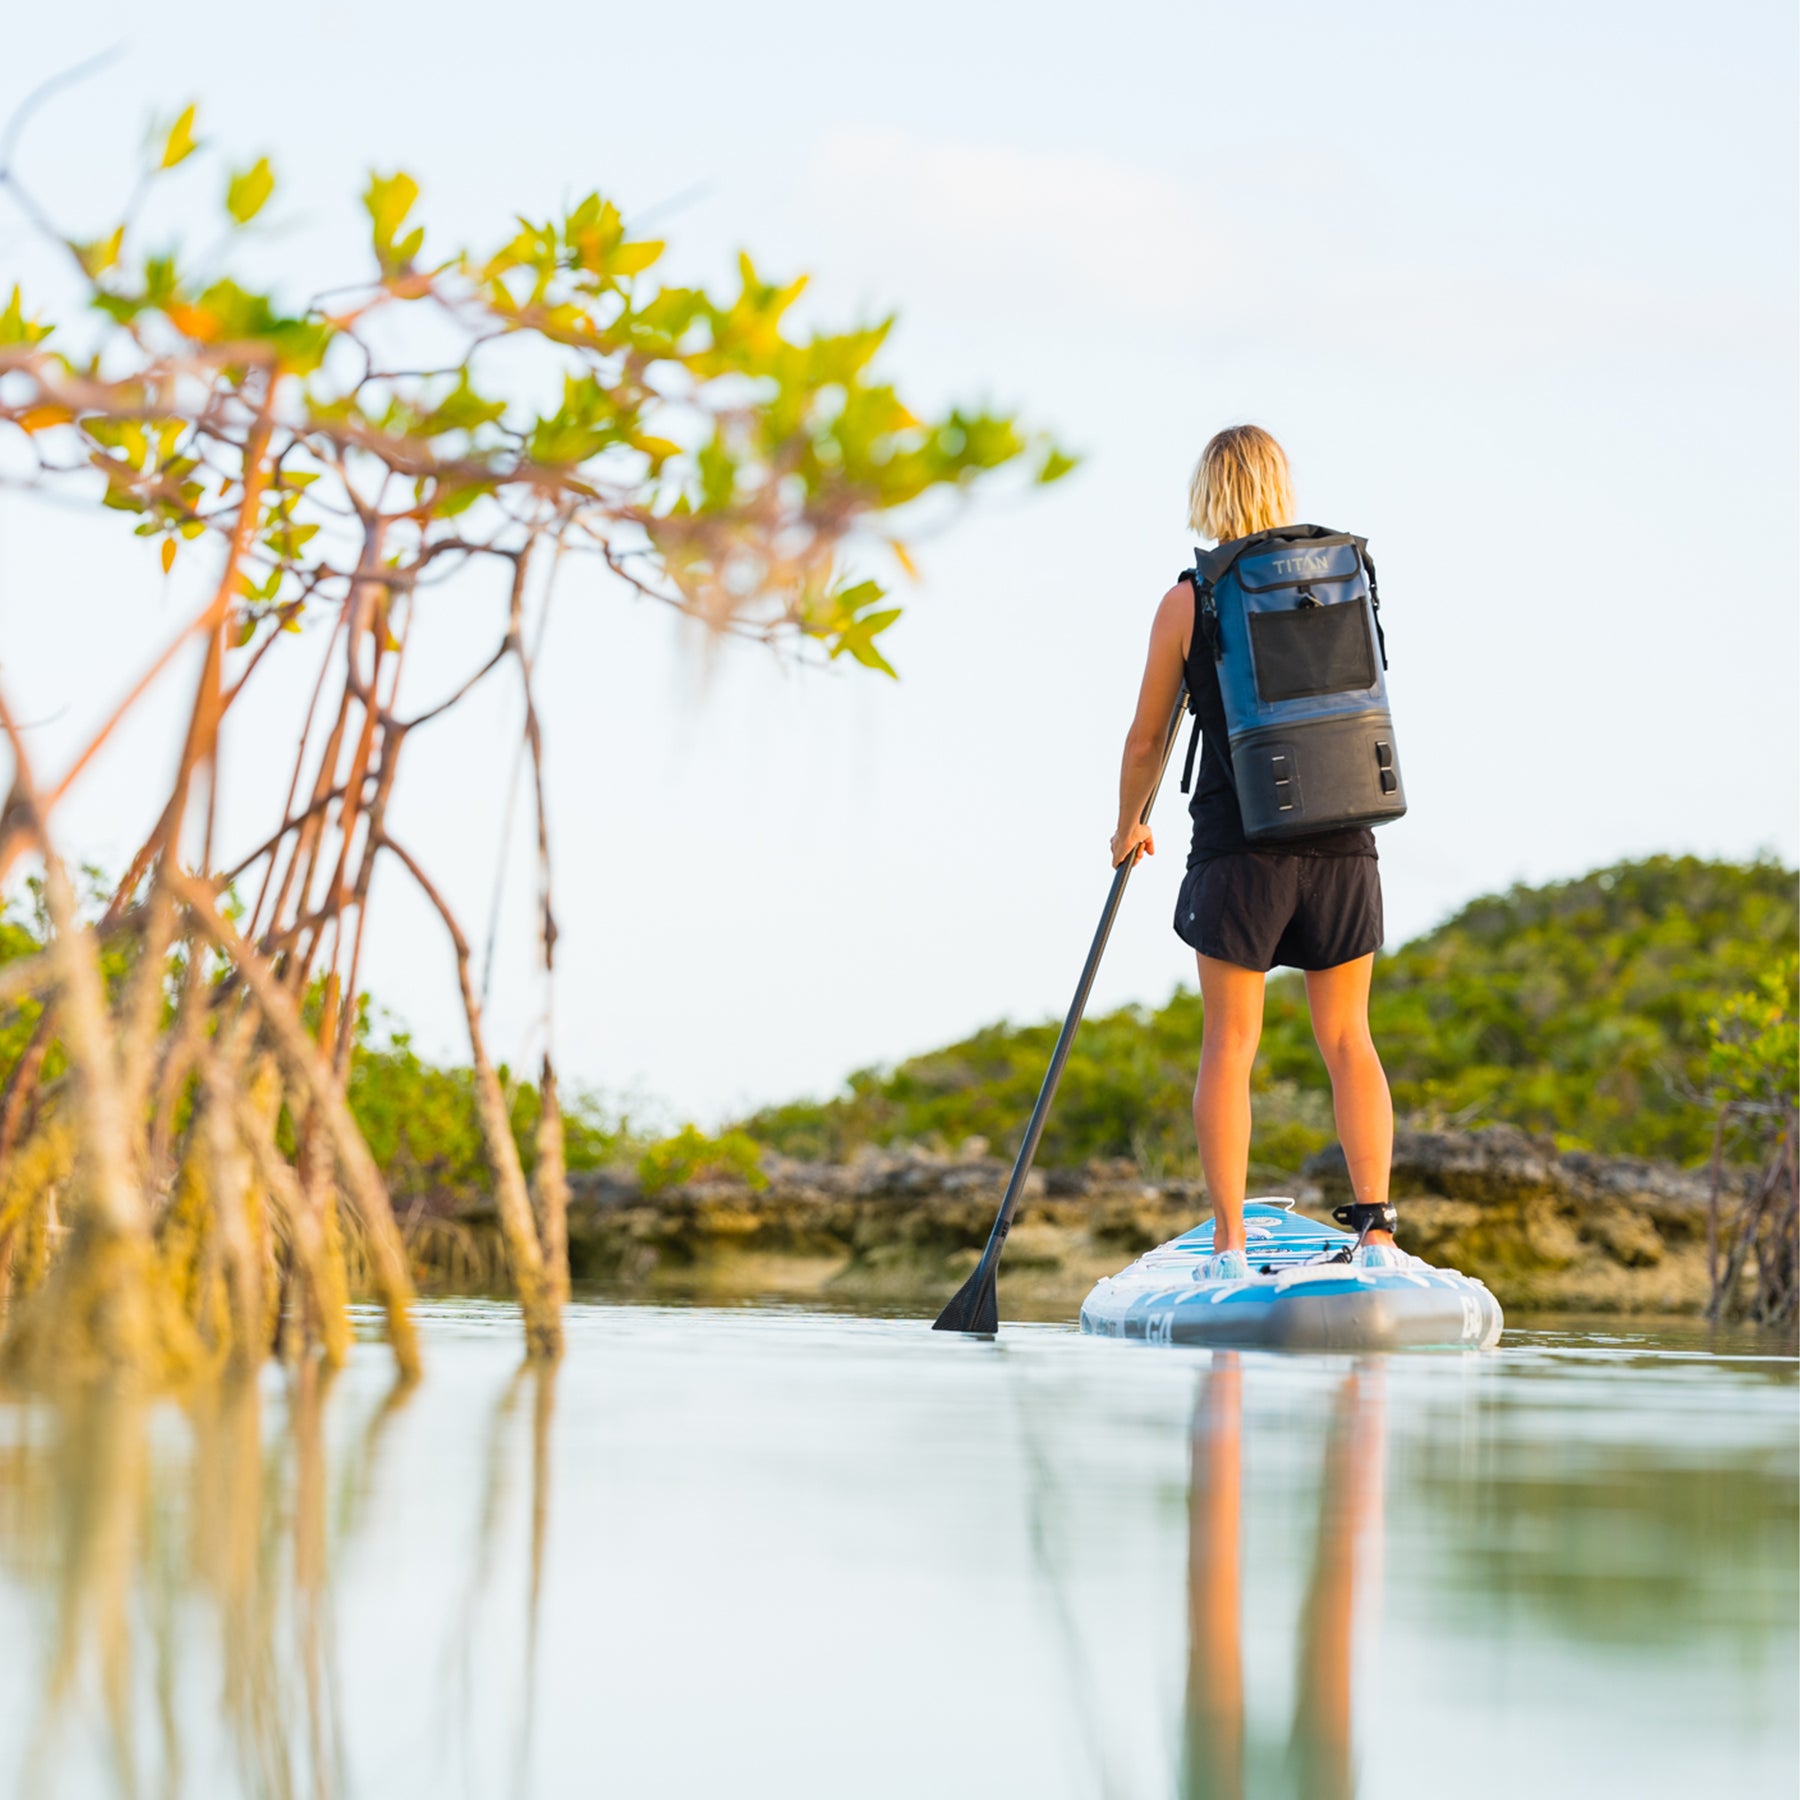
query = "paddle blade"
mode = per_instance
[{"x": 976, "y": 1304}]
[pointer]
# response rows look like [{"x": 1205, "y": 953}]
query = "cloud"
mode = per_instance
[
  {"x": 1090, "y": 224},
  {"x": 1276, "y": 252}
]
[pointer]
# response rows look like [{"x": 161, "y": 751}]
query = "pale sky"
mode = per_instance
[{"x": 1515, "y": 286}]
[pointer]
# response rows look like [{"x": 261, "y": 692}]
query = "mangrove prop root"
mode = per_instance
[
  {"x": 1754, "y": 1256},
  {"x": 142, "y": 1013},
  {"x": 99, "y": 1309},
  {"x": 22, "y": 1084},
  {"x": 320, "y": 1307},
  {"x": 538, "y": 1297},
  {"x": 28, "y": 1182},
  {"x": 551, "y": 1181},
  {"x": 190, "y": 1269},
  {"x": 234, "y": 1202},
  {"x": 307, "y": 1069}
]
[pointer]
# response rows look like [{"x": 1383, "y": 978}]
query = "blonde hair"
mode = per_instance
[{"x": 1240, "y": 485}]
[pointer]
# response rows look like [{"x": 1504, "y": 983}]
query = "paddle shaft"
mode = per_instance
[{"x": 1040, "y": 1113}]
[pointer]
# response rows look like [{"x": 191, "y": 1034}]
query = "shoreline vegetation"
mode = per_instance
[
  {"x": 1610, "y": 1009},
  {"x": 1584, "y": 1010},
  {"x": 1560, "y": 1058}
]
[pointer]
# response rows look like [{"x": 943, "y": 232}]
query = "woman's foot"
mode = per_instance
[
  {"x": 1379, "y": 1251},
  {"x": 1226, "y": 1265}
]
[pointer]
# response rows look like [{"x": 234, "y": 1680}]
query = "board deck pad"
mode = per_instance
[{"x": 1298, "y": 1296}]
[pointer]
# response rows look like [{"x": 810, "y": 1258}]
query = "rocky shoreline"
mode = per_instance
[{"x": 1546, "y": 1231}]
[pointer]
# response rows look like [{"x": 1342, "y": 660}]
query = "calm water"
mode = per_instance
[{"x": 776, "y": 1552}]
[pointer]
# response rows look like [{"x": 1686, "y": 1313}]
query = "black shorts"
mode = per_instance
[{"x": 1258, "y": 908}]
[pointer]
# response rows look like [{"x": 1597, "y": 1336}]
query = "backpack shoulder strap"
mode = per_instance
[
  {"x": 1206, "y": 625},
  {"x": 1368, "y": 563},
  {"x": 1206, "y": 614}
]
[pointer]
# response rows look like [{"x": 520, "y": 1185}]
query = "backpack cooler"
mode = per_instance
[{"x": 1293, "y": 620}]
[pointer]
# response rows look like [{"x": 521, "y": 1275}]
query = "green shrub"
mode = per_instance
[
  {"x": 1582, "y": 1009},
  {"x": 690, "y": 1155},
  {"x": 1754, "y": 1059}
]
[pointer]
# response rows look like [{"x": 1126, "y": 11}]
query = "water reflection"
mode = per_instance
[
  {"x": 1345, "y": 1563},
  {"x": 467, "y": 1676},
  {"x": 785, "y": 1554},
  {"x": 158, "y": 1534},
  {"x": 239, "y": 1527}
]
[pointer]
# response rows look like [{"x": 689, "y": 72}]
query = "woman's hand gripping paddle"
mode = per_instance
[{"x": 976, "y": 1306}]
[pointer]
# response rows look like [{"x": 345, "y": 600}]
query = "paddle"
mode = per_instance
[{"x": 976, "y": 1306}]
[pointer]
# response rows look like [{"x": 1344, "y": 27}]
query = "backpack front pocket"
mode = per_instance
[{"x": 1312, "y": 650}]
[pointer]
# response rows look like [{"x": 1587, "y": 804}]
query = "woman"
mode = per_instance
[{"x": 1314, "y": 904}]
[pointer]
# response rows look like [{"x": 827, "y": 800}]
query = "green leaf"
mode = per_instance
[
  {"x": 856, "y": 642},
  {"x": 121, "y": 499},
  {"x": 1055, "y": 466},
  {"x": 17, "y": 330},
  {"x": 461, "y": 409},
  {"x": 658, "y": 449},
  {"x": 259, "y": 592},
  {"x": 301, "y": 344},
  {"x": 100, "y": 255},
  {"x": 451, "y": 501},
  {"x": 180, "y": 144},
  {"x": 718, "y": 475},
  {"x": 844, "y": 357},
  {"x": 162, "y": 281},
  {"x": 873, "y": 623},
  {"x": 389, "y": 199},
  {"x": 848, "y": 602},
  {"x": 633, "y": 259},
  {"x": 249, "y": 191},
  {"x": 857, "y": 638}
]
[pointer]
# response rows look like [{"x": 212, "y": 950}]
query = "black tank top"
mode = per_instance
[{"x": 1218, "y": 825}]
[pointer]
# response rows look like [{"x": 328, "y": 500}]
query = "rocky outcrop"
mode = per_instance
[
  {"x": 1546, "y": 1231},
  {"x": 889, "y": 1226}
]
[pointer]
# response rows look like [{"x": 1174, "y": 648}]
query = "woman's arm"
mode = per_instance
[{"x": 1156, "y": 700}]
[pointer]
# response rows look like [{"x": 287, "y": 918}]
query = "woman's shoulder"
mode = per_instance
[
  {"x": 1178, "y": 599},
  {"x": 1175, "y": 613}
]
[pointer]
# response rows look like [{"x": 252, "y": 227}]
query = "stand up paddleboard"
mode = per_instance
[{"x": 1297, "y": 1297}]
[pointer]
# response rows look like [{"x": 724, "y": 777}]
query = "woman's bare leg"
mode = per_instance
[
  {"x": 1233, "y": 1000},
  {"x": 1339, "y": 999},
  {"x": 1214, "y": 1748},
  {"x": 1346, "y": 1559}
]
